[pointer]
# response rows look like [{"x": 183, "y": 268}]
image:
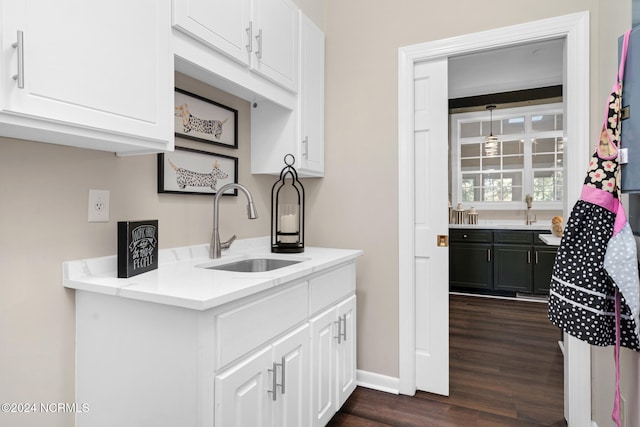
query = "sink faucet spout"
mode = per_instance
[{"x": 216, "y": 246}]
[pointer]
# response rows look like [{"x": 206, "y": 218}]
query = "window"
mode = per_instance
[{"x": 526, "y": 158}]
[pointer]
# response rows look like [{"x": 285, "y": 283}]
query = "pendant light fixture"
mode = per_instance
[{"x": 491, "y": 143}]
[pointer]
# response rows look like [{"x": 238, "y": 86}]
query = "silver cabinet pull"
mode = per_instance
[
  {"x": 488, "y": 255},
  {"x": 537, "y": 257},
  {"x": 342, "y": 328},
  {"x": 249, "y": 31},
  {"x": 259, "y": 39},
  {"x": 283, "y": 366},
  {"x": 274, "y": 381},
  {"x": 305, "y": 144},
  {"x": 19, "y": 45},
  {"x": 528, "y": 257}
]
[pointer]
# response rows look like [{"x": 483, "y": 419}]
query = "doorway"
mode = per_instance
[{"x": 575, "y": 30}]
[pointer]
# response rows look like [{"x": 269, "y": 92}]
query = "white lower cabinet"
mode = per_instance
[
  {"x": 346, "y": 350},
  {"x": 284, "y": 357},
  {"x": 333, "y": 352},
  {"x": 268, "y": 388}
]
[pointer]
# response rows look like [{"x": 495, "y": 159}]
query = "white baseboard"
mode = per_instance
[{"x": 378, "y": 382}]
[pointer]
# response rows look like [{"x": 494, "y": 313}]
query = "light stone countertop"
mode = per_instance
[
  {"x": 180, "y": 281},
  {"x": 550, "y": 239},
  {"x": 506, "y": 225}
]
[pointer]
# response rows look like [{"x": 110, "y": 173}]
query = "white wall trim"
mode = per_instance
[
  {"x": 575, "y": 29},
  {"x": 377, "y": 381}
]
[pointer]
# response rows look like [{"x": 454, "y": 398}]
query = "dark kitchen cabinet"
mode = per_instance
[
  {"x": 512, "y": 265},
  {"x": 470, "y": 259},
  {"x": 512, "y": 268},
  {"x": 543, "y": 260},
  {"x": 500, "y": 262}
]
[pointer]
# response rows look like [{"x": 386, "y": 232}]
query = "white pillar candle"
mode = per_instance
[{"x": 289, "y": 224}]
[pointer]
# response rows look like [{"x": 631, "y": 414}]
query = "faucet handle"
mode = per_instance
[{"x": 227, "y": 244}]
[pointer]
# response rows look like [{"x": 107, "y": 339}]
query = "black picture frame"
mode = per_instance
[
  {"x": 201, "y": 119},
  {"x": 190, "y": 171}
]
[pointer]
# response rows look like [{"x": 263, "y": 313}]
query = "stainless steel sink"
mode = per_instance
[{"x": 254, "y": 265}]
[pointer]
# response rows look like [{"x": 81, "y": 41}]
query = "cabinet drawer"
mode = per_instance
[
  {"x": 331, "y": 287},
  {"x": 474, "y": 236},
  {"x": 244, "y": 328},
  {"x": 513, "y": 236}
]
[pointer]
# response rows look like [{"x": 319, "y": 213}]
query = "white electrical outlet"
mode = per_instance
[{"x": 98, "y": 205}]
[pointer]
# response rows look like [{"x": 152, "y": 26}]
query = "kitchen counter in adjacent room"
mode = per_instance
[
  {"x": 504, "y": 226},
  {"x": 550, "y": 239}
]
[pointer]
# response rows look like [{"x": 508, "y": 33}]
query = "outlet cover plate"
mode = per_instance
[{"x": 98, "y": 206}]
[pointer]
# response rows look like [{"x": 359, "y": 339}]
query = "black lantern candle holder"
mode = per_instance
[{"x": 287, "y": 211}]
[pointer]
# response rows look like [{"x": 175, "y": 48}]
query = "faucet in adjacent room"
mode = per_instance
[
  {"x": 217, "y": 246},
  {"x": 527, "y": 219}
]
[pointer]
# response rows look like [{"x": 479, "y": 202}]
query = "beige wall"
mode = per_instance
[
  {"x": 43, "y": 191},
  {"x": 43, "y": 222},
  {"x": 358, "y": 197}
]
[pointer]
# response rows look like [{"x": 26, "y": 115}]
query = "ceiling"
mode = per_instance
[{"x": 525, "y": 66}]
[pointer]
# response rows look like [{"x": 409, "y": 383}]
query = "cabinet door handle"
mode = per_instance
[
  {"x": 283, "y": 366},
  {"x": 305, "y": 144},
  {"x": 488, "y": 255},
  {"x": 344, "y": 327},
  {"x": 19, "y": 46},
  {"x": 250, "y": 37},
  {"x": 274, "y": 381},
  {"x": 536, "y": 257},
  {"x": 339, "y": 323},
  {"x": 528, "y": 257},
  {"x": 259, "y": 39}
]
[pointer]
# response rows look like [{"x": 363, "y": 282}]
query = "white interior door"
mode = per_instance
[
  {"x": 575, "y": 28},
  {"x": 431, "y": 226}
]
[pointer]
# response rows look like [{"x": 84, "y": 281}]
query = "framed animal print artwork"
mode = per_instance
[
  {"x": 190, "y": 171},
  {"x": 201, "y": 119}
]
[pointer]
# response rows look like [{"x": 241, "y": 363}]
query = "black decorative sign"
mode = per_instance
[{"x": 137, "y": 247}]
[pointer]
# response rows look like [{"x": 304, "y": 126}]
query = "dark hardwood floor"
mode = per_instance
[{"x": 506, "y": 370}]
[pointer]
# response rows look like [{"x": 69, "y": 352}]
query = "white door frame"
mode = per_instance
[{"x": 575, "y": 29}]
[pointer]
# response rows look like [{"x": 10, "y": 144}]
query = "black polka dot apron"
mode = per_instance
[{"x": 595, "y": 289}]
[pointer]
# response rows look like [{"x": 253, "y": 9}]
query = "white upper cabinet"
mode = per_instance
[
  {"x": 220, "y": 24},
  {"x": 89, "y": 74},
  {"x": 275, "y": 41},
  {"x": 277, "y": 131},
  {"x": 311, "y": 98},
  {"x": 261, "y": 34}
]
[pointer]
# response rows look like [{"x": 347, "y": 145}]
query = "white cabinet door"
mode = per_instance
[
  {"x": 241, "y": 392},
  {"x": 94, "y": 66},
  {"x": 323, "y": 359},
  {"x": 270, "y": 388},
  {"x": 220, "y": 24},
  {"x": 300, "y": 132},
  {"x": 333, "y": 359},
  {"x": 275, "y": 44},
  {"x": 311, "y": 98},
  {"x": 346, "y": 365},
  {"x": 291, "y": 355}
]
